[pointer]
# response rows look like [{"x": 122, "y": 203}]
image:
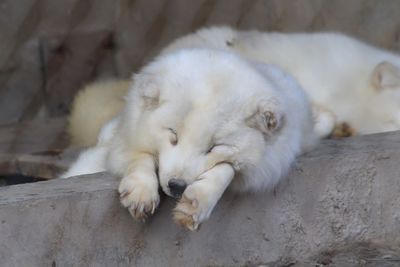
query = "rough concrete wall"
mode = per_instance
[
  {"x": 338, "y": 207},
  {"x": 48, "y": 49}
]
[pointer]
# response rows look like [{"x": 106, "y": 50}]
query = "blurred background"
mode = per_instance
[{"x": 49, "y": 49}]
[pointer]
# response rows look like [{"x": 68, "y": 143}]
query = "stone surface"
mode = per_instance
[{"x": 338, "y": 207}]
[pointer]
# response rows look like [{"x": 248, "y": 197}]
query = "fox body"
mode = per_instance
[
  {"x": 195, "y": 122},
  {"x": 347, "y": 81},
  {"x": 198, "y": 120}
]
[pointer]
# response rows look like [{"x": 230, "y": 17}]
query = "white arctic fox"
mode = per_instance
[
  {"x": 347, "y": 81},
  {"x": 196, "y": 121}
]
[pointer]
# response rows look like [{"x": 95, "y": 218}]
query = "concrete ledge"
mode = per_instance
[
  {"x": 340, "y": 206},
  {"x": 34, "y": 148}
]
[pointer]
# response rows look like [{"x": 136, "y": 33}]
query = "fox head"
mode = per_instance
[{"x": 196, "y": 108}]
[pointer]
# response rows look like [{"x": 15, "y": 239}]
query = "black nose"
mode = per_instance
[{"x": 176, "y": 187}]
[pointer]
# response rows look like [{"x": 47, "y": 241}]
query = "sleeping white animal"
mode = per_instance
[{"x": 195, "y": 122}]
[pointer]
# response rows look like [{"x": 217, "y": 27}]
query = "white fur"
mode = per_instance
[
  {"x": 208, "y": 117},
  {"x": 357, "y": 83},
  {"x": 92, "y": 160},
  {"x": 94, "y": 105}
]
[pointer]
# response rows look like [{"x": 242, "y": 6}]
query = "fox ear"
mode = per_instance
[
  {"x": 147, "y": 88},
  {"x": 267, "y": 120},
  {"x": 386, "y": 76}
]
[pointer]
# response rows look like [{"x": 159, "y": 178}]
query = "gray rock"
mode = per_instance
[{"x": 338, "y": 207}]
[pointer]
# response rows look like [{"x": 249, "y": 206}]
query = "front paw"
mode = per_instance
[
  {"x": 140, "y": 197},
  {"x": 193, "y": 208}
]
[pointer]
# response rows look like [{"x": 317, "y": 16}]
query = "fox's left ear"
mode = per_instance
[
  {"x": 146, "y": 85},
  {"x": 266, "y": 119},
  {"x": 386, "y": 76}
]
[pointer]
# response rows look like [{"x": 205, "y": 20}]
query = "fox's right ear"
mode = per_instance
[
  {"x": 267, "y": 118},
  {"x": 386, "y": 76},
  {"x": 147, "y": 88}
]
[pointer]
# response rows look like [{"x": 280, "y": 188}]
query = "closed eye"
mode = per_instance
[
  {"x": 210, "y": 149},
  {"x": 215, "y": 147},
  {"x": 173, "y": 138}
]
